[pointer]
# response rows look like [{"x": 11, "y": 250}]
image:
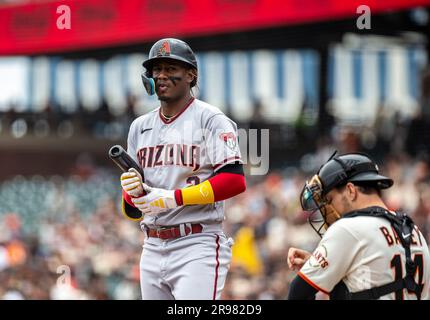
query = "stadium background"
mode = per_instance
[{"x": 303, "y": 70}]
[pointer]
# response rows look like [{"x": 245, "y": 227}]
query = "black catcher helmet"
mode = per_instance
[
  {"x": 337, "y": 171},
  {"x": 352, "y": 167},
  {"x": 170, "y": 48}
]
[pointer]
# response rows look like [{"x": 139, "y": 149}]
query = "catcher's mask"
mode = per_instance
[
  {"x": 336, "y": 172},
  {"x": 313, "y": 200}
]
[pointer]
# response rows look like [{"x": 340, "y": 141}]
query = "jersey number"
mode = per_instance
[{"x": 398, "y": 265}]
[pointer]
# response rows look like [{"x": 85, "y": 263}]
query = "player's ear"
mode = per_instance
[
  {"x": 351, "y": 191},
  {"x": 191, "y": 76}
]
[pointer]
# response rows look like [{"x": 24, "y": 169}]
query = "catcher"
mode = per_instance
[{"x": 367, "y": 251}]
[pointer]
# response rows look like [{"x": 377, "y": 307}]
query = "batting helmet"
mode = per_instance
[{"x": 173, "y": 49}]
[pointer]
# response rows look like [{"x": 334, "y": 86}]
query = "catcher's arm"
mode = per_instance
[
  {"x": 300, "y": 289},
  {"x": 125, "y": 162}
]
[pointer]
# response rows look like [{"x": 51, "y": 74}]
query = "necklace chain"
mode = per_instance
[{"x": 167, "y": 118}]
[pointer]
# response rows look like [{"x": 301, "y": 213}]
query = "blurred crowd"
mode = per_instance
[
  {"x": 75, "y": 244},
  {"x": 71, "y": 248}
]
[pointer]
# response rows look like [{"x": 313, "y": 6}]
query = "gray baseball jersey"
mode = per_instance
[
  {"x": 365, "y": 252},
  {"x": 185, "y": 151}
]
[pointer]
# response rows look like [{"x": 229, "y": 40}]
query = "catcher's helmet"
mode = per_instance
[
  {"x": 173, "y": 49},
  {"x": 337, "y": 171},
  {"x": 352, "y": 167}
]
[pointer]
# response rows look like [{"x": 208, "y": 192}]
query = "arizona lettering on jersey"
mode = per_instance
[{"x": 170, "y": 155}]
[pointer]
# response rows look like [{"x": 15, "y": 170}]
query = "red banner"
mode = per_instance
[{"x": 33, "y": 28}]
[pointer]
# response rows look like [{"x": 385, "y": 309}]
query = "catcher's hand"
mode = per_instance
[
  {"x": 297, "y": 258},
  {"x": 131, "y": 182},
  {"x": 155, "y": 201}
]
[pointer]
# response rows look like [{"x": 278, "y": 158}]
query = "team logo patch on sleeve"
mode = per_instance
[
  {"x": 229, "y": 138},
  {"x": 319, "y": 258}
]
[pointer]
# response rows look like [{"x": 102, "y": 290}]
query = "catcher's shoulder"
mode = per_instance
[{"x": 359, "y": 227}]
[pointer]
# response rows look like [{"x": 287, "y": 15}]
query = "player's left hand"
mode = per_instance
[{"x": 156, "y": 199}]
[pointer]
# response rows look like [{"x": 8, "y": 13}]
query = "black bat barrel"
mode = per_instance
[{"x": 123, "y": 160}]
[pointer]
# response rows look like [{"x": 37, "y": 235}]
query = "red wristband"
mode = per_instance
[{"x": 178, "y": 197}]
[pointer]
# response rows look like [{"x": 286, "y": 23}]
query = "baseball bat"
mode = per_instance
[{"x": 123, "y": 160}]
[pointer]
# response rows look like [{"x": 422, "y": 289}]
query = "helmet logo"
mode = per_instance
[{"x": 164, "y": 49}]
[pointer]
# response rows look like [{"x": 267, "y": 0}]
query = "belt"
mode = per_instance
[{"x": 174, "y": 232}]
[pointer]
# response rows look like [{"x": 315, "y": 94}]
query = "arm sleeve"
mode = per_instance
[
  {"x": 222, "y": 144},
  {"x": 301, "y": 290},
  {"x": 224, "y": 185},
  {"x": 332, "y": 259}
]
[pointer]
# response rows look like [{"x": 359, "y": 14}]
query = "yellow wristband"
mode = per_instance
[{"x": 199, "y": 194}]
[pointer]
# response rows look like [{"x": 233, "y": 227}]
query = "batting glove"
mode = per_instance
[
  {"x": 132, "y": 183},
  {"x": 146, "y": 209},
  {"x": 159, "y": 200}
]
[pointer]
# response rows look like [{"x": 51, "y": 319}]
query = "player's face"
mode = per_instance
[
  {"x": 340, "y": 200},
  {"x": 172, "y": 80}
]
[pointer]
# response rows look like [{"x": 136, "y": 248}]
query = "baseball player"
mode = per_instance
[
  {"x": 367, "y": 251},
  {"x": 189, "y": 154}
]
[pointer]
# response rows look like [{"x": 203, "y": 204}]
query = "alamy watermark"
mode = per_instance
[
  {"x": 64, "y": 20},
  {"x": 65, "y": 278},
  {"x": 364, "y": 20}
]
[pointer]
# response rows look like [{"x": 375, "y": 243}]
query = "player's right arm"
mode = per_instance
[
  {"x": 297, "y": 258},
  {"x": 330, "y": 261},
  {"x": 301, "y": 290}
]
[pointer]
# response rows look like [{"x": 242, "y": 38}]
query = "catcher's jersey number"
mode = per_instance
[{"x": 398, "y": 265}]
